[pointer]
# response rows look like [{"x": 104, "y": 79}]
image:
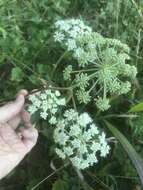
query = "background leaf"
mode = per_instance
[
  {"x": 137, "y": 108},
  {"x": 17, "y": 74},
  {"x": 60, "y": 185},
  {"x": 134, "y": 156}
]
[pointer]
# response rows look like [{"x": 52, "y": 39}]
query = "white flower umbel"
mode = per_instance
[
  {"x": 67, "y": 32},
  {"x": 104, "y": 71},
  {"x": 79, "y": 139},
  {"x": 47, "y": 103}
]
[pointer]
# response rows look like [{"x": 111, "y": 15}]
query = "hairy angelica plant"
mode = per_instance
[{"x": 100, "y": 63}]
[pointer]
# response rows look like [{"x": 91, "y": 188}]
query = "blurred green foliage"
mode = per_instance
[{"x": 27, "y": 55}]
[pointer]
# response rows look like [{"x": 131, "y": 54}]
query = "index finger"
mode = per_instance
[{"x": 10, "y": 110}]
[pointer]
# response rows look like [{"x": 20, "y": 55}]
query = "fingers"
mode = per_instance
[
  {"x": 10, "y": 110},
  {"x": 9, "y": 137},
  {"x": 29, "y": 133},
  {"x": 26, "y": 119},
  {"x": 29, "y": 137},
  {"x": 15, "y": 121},
  {"x": 23, "y": 92}
]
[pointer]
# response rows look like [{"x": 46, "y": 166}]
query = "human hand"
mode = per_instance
[{"x": 15, "y": 145}]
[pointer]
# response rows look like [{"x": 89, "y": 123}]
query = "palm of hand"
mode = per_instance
[{"x": 14, "y": 146}]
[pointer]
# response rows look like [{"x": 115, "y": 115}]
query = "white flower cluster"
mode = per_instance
[
  {"x": 68, "y": 31},
  {"x": 48, "y": 103},
  {"x": 104, "y": 61},
  {"x": 79, "y": 139}
]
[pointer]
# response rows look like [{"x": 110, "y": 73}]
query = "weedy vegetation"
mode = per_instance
[{"x": 85, "y": 60}]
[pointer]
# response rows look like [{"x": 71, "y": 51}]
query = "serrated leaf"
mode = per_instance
[
  {"x": 137, "y": 108},
  {"x": 60, "y": 185},
  {"x": 133, "y": 155}
]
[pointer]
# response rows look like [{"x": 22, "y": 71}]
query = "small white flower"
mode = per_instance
[
  {"x": 32, "y": 98},
  {"x": 83, "y": 149},
  {"x": 62, "y": 25},
  {"x": 93, "y": 129},
  {"x": 32, "y": 109},
  {"x": 84, "y": 119},
  {"x": 53, "y": 120},
  {"x": 50, "y": 101},
  {"x": 62, "y": 102},
  {"x": 57, "y": 93},
  {"x": 92, "y": 159},
  {"x": 76, "y": 143},
  {"x": 61, "y": 137},
  {"x": 58, "y": 36},
  {"x": 71, "y": 44},
  {"x": 68, "y": 151},
  {"x": 73, "y": 34},
  {"x": 71, "y": 115},
  {"x": 74, "y": 130},
  {"x": 59, "y": 23},
  {"x": 76, "y": 162},
  {"x": 43, "y": 96},
  {"x": 102, "y": 138},
  {"x": 103, "y": 103},
  {"x": 87, "y": 136},
  {"x": 44, "y": 115},
  {"x": 54, "y": 110},
  {"x": 95, "y": 146},
  {"x": 104, "y": 150},
  {"x": 84, "y": 164},
  {"x": 78, "y": 52},
  {"x": 38, "y": 103},
  {"x": 60, "y": 153},
  {"x": 44, "y": 105}
]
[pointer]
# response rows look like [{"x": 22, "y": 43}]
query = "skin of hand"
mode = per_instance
[{"x": 14, "y": 145}]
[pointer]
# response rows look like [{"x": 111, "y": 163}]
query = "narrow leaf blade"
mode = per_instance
[
  {"x": 137, "y": 108},
  {"x": 134, "y": 156}
]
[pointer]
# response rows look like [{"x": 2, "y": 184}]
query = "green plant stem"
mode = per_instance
[
  {"x": 93, "y": 176},
  {"x": 49, "y": 176},
  {"x": 138, "y": 46},
  {"x": 138, "y": 10},
  {"x": 84, "y": 184},
  {"x": 84, "y": 70},
  {"x": 35, "y": 91},
  {"x": 58, "y": 62},
  {"x": 119, "y": 116}
]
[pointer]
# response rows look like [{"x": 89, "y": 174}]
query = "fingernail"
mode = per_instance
[{"x": 23, "y": 92}]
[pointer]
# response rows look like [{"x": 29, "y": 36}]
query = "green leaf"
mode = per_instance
[
  {"x": 60, "y": 185},
  {"x": 4, "y": 33},
  {"x": 137, "y": 108},
  {"x": 133, "y": 155},
  {"x": 16, "y": 74}
]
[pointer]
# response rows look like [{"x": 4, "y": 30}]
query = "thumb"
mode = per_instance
[
  {"x": 10, "y": 110},
  {"x": 29, "y": 133}
]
